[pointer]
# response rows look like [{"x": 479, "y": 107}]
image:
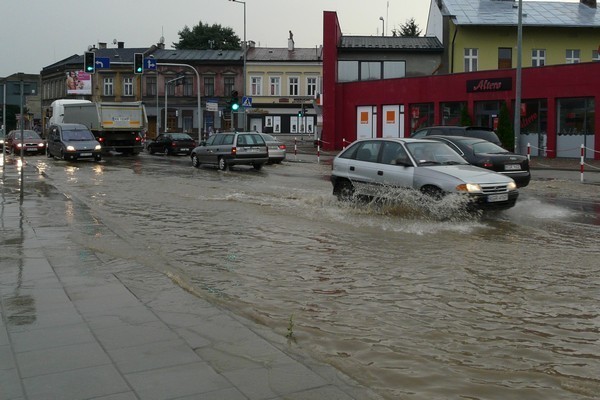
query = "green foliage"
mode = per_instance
[
  {"x": 290, "y": 330},
  {"x": 408, "y": 29},
  {"x": 204, "y": 37},
  {"x": 465, "y": 118},
  {"x": 505, "y": 129}
]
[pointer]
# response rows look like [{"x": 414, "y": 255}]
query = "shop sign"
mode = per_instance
[{"x": 489, "y": 85}]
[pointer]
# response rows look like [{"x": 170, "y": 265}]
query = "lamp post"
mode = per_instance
[
  {"x": 382, "y": 26},
  {"x": 517, "y": 121},
  {"x": 245, "y": 50}
]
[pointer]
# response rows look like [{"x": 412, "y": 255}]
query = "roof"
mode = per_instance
[
  {"x": 284, "y": 55},
  {"x": 424, "y": 43},
  {"x": 197, "y": 55},
  {"x": 506, "y": 12}
]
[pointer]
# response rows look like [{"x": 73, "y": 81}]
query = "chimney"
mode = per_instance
[
  {"x": 121, "y": 45},
  {"x": 589, "y": 3},
  {"x": 291, "y": 42},
  {"x": 102, "y": 45}
]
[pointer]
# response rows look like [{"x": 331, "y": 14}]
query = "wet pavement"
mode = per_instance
[
  {"x": 81, "y": 324},
  {"x": 78, "y": 324}
]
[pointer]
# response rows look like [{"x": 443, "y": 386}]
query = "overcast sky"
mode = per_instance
[{"x": 37, "y": 33}]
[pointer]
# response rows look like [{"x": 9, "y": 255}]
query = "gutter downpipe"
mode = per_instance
[{"x": 453, "y": 44}]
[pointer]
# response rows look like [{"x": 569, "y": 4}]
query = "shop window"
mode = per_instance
[
  {"x": 576, "y": 116},
  {"x": 534, "y": 116},
  {"x": 451, "y": 113},
  {"x": 421, "y": 115}
]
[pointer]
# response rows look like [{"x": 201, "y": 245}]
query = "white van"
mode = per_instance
[{"x": 57, "y": 109}]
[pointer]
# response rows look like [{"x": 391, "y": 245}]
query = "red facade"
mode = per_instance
[{"x": 552, "y": 83}]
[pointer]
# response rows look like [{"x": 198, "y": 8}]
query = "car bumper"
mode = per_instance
[
  {"x": 521, "y": 179},
  {"x": 83, "y": 154},
  {"x": 247, "y": 160},
  {"x": 488, "y": 202}
]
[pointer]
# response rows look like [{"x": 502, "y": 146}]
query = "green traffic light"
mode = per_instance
[{"x": 235, "y": 106}]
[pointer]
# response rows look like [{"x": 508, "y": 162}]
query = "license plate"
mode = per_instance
[
  {"x": 86, "y": 154},
  {"x": 512, "y": 167},
  {"x": 185, "y": 149},
  {"x": 497, "y": 197},
  {"x": 32, "y": 149}
]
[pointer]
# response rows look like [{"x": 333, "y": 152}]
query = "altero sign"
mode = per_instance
[{"x": 489, "y": 85}]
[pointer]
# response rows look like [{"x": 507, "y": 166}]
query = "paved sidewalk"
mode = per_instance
[{"x": 76, "y": 324}]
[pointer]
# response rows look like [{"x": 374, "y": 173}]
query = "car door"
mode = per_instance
[
  {"x": 363, "y": 167},
  {"x": 206, "y": 152},
  {"x": 395, "y": 167},
  {"x": 158, "y": 145}
]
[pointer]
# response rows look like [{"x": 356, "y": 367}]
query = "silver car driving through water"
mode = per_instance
[{"x": 425, "y": 165}]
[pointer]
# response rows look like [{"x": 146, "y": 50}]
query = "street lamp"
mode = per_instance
[
  {"x": 382, "y": 26},
  {"x": 517, "y": 121},
  {"x": 245, "y": 49}
]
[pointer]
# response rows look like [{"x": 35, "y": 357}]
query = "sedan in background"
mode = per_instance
[
  {"x": 431, "y": 167},
  {"x": 32, "y": 143},
  {"x": 171, "y": 144},
  {"x": 233, "y": 148},
  {"x": 277, "y": 149},
  {"x": 488, "y": 155}
]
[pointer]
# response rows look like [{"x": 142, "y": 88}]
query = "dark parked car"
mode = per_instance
[
  {"x": 234, "y": 148},
  {"x": 468, "y": 131},
  {"x": 32, "y": 142},
  {"x": 171, "y": 144},
  {"x": 488, "y": 155},
  {"x": 428, "y": 166},
  {"x": 72, "y": 141}
]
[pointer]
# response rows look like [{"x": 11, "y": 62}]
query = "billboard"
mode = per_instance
[{"x": 79, "y": 82}]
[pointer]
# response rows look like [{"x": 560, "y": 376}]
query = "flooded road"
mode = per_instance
[{"x": 412, "y": 302}]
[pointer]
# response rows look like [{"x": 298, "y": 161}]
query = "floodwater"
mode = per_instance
[{"x": 409, "y": 299}]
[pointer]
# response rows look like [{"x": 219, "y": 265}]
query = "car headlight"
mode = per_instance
[
  {"x": 469, "y": 187},
  {"x": 98, "y": 147},
  {"x": 70, "y": 148},
  {"x": 512, "y": 186},
  {"x": 41, "y": 144}
]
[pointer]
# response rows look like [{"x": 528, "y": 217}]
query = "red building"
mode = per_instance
[{"x": 558, "y": 112}]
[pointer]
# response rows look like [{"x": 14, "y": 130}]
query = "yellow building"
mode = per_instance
[{"x": 482, "y": 34}]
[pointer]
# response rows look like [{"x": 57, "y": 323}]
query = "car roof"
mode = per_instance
[
  {"x": 395, "y": 139},
  {"x": 70, "y": 126},
  {"x": 458, "y": 138}
]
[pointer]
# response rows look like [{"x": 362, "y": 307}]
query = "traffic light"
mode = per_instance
[
  {"x": 301, "y": 112},
  {"x": 89, "y": 62},
  {"x": 234, "y": 103},
  {"x": 138, "y": 63}
]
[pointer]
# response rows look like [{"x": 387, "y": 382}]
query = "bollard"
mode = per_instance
[
  {"x": 295, "y": 148},
  {"x": 582, "y": 161},
  {"x": 318, "y": 151},
  {"x": 529, "y": 152}
]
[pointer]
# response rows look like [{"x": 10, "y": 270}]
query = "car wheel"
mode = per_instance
[
  {"x": 63, "y": 155},
  {"x": 98, "y": 158},
  {"x": 150, "y": 150},
  {"x": 344, "y": 190},
  {"x": 222, "y": 164},
  {"x": 433, "y": 192},
  {"x": 257, "y": 166},
  {"x": 166, "y": 151},
  {"x": 195, "y": 161},
  {"x": 48, "y": 154}
]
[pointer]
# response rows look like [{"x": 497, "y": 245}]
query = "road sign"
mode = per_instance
[
  {"x": 212, "y": 106},
  {"x": 102, "y": 63},
  {"x": 246, "y": 101},
  {"x": 150, "y": 64}
]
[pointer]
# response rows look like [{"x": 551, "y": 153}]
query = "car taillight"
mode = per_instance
[
  {"x": 233, "y": 150},
  {"x": 173, "y": 144},
  {"x": 101, "y": 139},
  {"x": 138, "y": 138},
  {"x": 282, "y": 146}
]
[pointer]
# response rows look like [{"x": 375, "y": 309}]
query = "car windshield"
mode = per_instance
[
  {"x": 78, "y": 135},
  {"x": 434, "y": 153},
  {"x": 27, "y": 135},
  {"x": 485, "y": 147},
  {"x": 180, "y": 136}
]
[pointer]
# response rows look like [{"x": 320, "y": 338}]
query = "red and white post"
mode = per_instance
[{"x": 582, "y": 162}]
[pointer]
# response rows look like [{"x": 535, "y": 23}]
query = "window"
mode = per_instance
[
  {"x": 595, "y": 55},
  {"x": 538, "y": 57},
  {"x": 127, "y": 86},
  {"x": 256, "y": 86},
  {"x": 311, "y": 86},
  {"x": 228, "y": 85},
  {"x": 370, "y": 70},
  {"x": 188, "y": 86},
  {"x": 504, "y": 58},
  {"x": 275, "y": 86},
  {"x": 209, "y": 86},
  {"x": 394, "y": 69},
  {"x": 471, "y": 60},
  {"x": 347, "y": 71},
  {"x": 151, "y": 86},
  {"x": 573, "y": 56},
  {"x": 108, "y": 87},
  {"x": 293, "y": 86}
]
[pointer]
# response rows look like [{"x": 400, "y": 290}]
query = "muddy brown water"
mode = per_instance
[{"x": 416, "y": 303}]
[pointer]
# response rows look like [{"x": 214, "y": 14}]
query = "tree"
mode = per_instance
[
  {"x": 408, "y": 29},
  {"x": 204, "y": 37},
  {"x": 505, "y": 129}
]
